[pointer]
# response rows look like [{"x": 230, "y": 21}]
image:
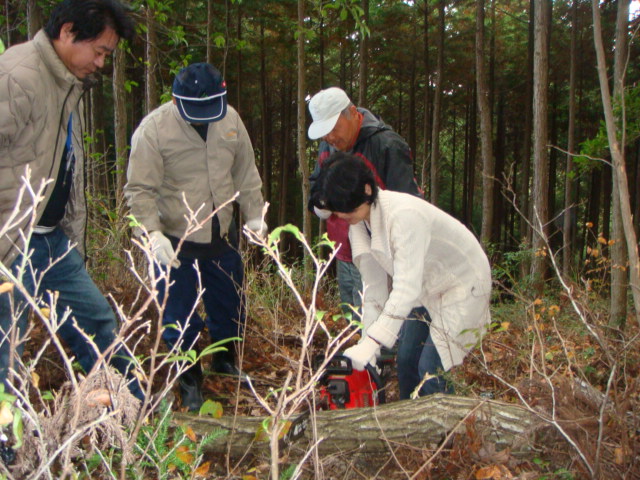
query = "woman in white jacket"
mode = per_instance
[{"x": 413, "y": 258}]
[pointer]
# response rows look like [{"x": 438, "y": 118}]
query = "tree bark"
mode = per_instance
[
  {"x": 540, "y": 140},
  {"x": 364, "y": 57},
  {"x": 303, "y": 165},
  {"x": 568, "y": 224},
  {"x": 151, "y": 50},
  {"x": 422, "y": 422},
  {"x": 427, "y": 98},
  {"x": 617, "y": 155},
  {"x": 34, "y": 18},
  {"x": 619, "y": 286},
  {"x": 437, "y": 105},
  {"x": 120, "y": 119},
  {"x": 486, "y": 145}
]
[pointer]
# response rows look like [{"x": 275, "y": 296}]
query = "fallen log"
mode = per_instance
[{"x": 421, "y": 423}]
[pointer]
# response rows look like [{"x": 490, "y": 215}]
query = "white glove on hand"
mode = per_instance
[
  {"x": 363, "y": 353},
  {"x": 322, "y": 213},
  {"x": 257, "y": 226},
  {"x": 162, "y": 249}
]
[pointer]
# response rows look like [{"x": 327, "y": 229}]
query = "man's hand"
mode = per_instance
[
  {"x": 163, "y": 250},
  {"x": 257, "y": 226},
  {"x": 363, "y": 353}
]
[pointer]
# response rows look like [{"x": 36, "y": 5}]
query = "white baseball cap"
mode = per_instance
[{"x": 325, "y": 108}]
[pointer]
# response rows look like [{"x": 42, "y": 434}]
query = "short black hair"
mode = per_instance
[
  {"x": 90, "y": 18},
  {"x": 340, "y": 186}
]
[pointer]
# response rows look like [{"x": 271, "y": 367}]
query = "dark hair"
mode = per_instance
[
  {"x": 90, "y": 18},
  {"x": 340, "y": 187}
]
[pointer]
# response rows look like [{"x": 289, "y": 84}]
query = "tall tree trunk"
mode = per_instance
[
  {"x": 120, "y": 118},
  {"x": 470, "y": 158},
  {"x": 524, "y": 192},
  {"x": 437, "y": 101},
  {"x": 364, "y": 58},
  {"x": 151, "y": 65},
  {"x": 427, "y": 98},
  {"x": 265, "y": 121},
  {"x": 619, "y": 257},
  {"x": 568, "y": 223},
  {"x": 239, "y": 75},
  {"x": 34, "y": 17},
  {"x": 486, "y": 140},
  {"x": 209, "y": 51},
  {"x": 617, "y": 155},
  {"x": 303, "y": 165},
  {"x": 540, "y": 140}
]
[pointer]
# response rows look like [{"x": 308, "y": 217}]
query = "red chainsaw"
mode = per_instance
[{"x": 342, "y": 387}]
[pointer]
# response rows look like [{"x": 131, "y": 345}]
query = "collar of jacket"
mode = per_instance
[
  {"x": 379, "y": 240},
  {"x": 370, "y": 126},
  {"x": 63, "y": 77}
]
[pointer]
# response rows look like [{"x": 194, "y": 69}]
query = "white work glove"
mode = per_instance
[
  {"x": 162, "y": 249},
  {"x": 322, "y": 213},
  {"x": 363, "y": 353},
  {"x": 257, "y": 226}
]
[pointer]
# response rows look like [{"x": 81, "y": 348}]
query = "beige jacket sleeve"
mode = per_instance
[
  {"x": 246, "y": 178},
  {"x": 144, "y": 173},
  {"x": 409, "y": 238}
]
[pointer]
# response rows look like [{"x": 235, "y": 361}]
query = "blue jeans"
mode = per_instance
[
  {"x": 223, "y": 300},
  {"x": 76, "y": 292},
  {"x": 349, "y": 284},
  {"x": 417, "y": 356}
]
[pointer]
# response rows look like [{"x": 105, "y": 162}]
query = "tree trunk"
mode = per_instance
[
  {"x": 427, "y": 98},
  {"x": 34, "y": 17},
  {"x": 151, "y": 50},
  {"x": 437, "y": 101},
  {"x": 364, "y": 58},
  {"x": 486, "y": 140},
  {"x": 265, "y": 121},
  {"x": 524, "y": 192},
  {"x": 120, "y": 118},
  {"x": 617, "y": 155},
  {"x": 417, "y": 423},
  {"x": 540, "y": 140},
  {"x": 303, "y": 165},
  {"x": 619, "y": 258},
  {"x": 568, "y": 224},
  {"x": 209, "y": 49}
]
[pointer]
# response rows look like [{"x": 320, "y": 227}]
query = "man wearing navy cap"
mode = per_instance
[{"x": 188, "y": 158}]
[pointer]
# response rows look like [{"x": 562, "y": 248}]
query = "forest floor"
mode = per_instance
[{"x": 532, "y": 339}]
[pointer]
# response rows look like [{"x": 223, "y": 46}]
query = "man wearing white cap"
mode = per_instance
[
  {"x": 343, "y": 127},
  {"x": 193, "y": 155}
]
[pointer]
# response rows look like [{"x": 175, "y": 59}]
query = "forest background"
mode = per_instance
[{"x": 501, "y": 102}]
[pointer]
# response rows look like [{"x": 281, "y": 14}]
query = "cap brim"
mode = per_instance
[
  {"x": 201, "y": 112},
  {"x": 320, "y": 128}
]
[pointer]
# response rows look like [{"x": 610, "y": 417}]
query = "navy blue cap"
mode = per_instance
[{"x": 200, "y": 93}]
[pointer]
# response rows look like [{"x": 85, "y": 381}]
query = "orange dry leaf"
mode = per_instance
[
  {"x": 493, "y": 472},
  {"x": 6, "y": 287},
  {"x": 184, "y": 454},
  {"x": 191, "y": 435},
  {"x": 202, "y": 470}
]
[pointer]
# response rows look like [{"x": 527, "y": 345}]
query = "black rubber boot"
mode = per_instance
[
  {"x": 225, "y": 362},
  {"x": 191, "y": 388}
]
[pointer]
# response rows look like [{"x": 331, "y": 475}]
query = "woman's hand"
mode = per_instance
[{"x": 363, "y": 353}]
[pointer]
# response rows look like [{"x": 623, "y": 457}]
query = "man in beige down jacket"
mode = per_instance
[
  {"x": 41, "y": 85},
  {"x": 194, "y": 155}
]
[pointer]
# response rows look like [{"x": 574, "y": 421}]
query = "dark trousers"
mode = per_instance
[
  {"x": 52, "y": 267},
  {"x": 417, "y": 356},
  {"x": 221, "y": 279}
]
